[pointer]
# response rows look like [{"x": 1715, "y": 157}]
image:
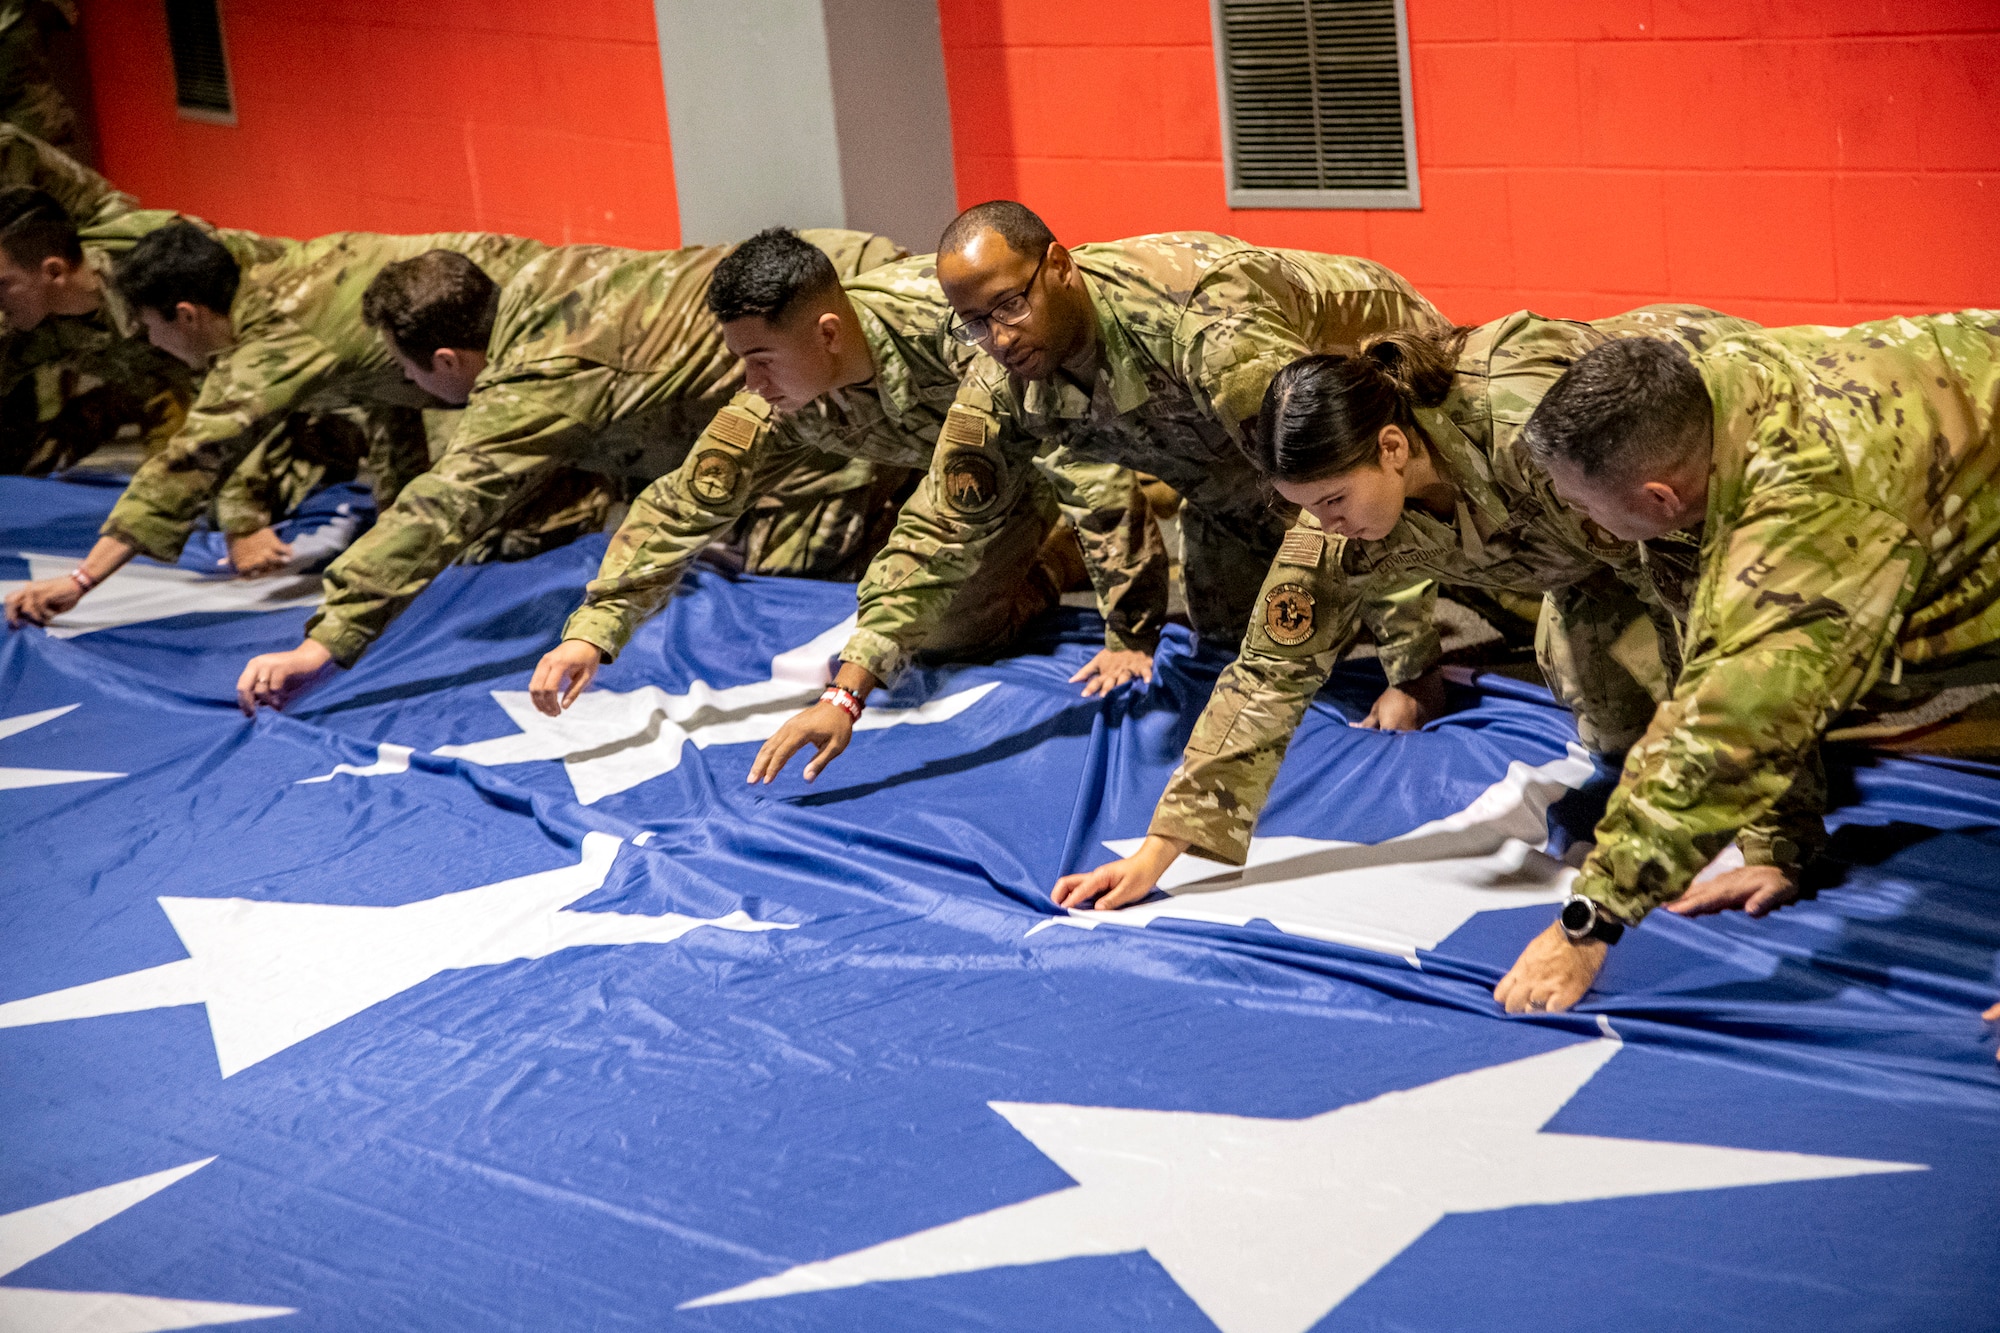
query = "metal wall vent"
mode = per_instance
[
  {"x": 201, "y": 67},
  {"x": 1316, "y": 103}
]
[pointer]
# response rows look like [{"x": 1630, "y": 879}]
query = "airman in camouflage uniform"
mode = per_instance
[
  {"x": 893, "y": 419},
  {"x": 29, "y": 97},
  {"x": 299, "y": 345},
  {"x": 1850, "y": 547},
  {"x": 602, "y": 362},
  {"x": 1511, "y": 534},
  {"x": 84, "y": 194},
  {"x": 1189, "y": 327},
  {"x": 296, "y": 343},
  {"x": 1843, "y": 486}
]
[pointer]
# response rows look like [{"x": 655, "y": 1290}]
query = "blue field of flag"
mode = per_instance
[{"x": 409, "y": 1009}]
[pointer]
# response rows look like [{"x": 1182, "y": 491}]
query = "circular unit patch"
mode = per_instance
[
  {"x": 1288, "y": 615},
  {"x": 715, "y": 477},
  {"x": 971, "y": 484}
]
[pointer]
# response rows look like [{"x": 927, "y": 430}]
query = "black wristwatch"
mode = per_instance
[{"x": 1582, "y": 919}]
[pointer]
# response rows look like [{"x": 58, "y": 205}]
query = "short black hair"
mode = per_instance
[
  {"x": 1017, "y": 224},
  {"x": 34, "y": 227},
  {"x": 1632, "y": 407},
  {"x": 767, "y": 275},
  {"x": 178, "y": 262},
  {"x": 438, "y": 299}
]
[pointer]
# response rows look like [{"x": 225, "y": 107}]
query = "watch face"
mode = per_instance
[{"x": 1578, "y": 916}]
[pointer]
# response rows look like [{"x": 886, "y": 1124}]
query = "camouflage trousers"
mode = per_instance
[
  {"x": 1609, "y": 658},
  {"x": 1224, "y": 558}
]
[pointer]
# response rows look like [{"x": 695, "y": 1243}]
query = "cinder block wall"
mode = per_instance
[
  {"x": 1789, "y": 160},
  {"x": 542, "y": 119}
]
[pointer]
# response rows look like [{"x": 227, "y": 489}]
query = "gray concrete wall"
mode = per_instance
[
  {"x": 809, "y": 113},
  {"x": 892, "y": 117}
]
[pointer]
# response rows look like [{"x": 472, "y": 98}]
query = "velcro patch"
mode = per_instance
[
  {"x": 1302, "y": 546},
  {"x": 963, "y": 427},
  {"x": 714, "y": 477},
  {"x": 1288, "y": 615},
  {"x": 733, "y": 426},
  {"x": 971, "y": 483}
]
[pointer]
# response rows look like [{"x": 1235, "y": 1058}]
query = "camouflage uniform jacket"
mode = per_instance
[
  {"x": 1852, "y": 533},
  {"x": 601, "y": 359},
  {"x": 29, "y": 95},
  {"x": 1190, "y": 328},
  {"x": 76, "y": 382},
  {"x": 300, "y": 345},
  {"x": 1510, "y": 533},
  {"x": 892, "y": 419},
  {"x": 86, "y": 196}
]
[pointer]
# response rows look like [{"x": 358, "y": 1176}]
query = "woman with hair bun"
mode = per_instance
[{"x": 1408, "y": 465}]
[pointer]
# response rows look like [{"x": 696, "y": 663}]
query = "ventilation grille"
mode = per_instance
[
  {"x": 1315, "y": 94},
  {"x": 201, "y": 74}
]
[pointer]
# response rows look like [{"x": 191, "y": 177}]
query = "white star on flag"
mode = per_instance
[
  {"x": 1395, "y": 897},
  {"x": 143, "y": 592},
  {"x": 29, "y": 1234},
  {"x": 42, "y": 777},
  {"x": 1270, "y": 1224},
  {"x": 273, "y": 973},
  {"x": 610, "y": 742}
]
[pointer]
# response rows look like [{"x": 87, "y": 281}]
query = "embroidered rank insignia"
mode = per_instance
[
  {"x": 734, "y": 427},
  {"x": 1302, "y": 546},
  {"x": 963, "y": 428},
  {"x": 714, "y": 478},
  {"x": 1288, "y": 615}
]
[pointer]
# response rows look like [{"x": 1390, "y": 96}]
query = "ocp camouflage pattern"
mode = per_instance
[
  {"x": 893, "y": 422},
  {"x": 1510, "y": 534},
  {"x": 300, "y": 346},
  {"x": 603, "y": 361},
  {"x": 1851, "y": 545},
  {"x": 1190, "y": 328}
]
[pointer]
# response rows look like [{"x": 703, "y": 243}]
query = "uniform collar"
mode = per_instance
[
  {"x": 1117, "y": 376},
  {"x": 1739, "y": 390},
  {"x": 1482, "y": 510},
  {"x": 893, "y": 383}
]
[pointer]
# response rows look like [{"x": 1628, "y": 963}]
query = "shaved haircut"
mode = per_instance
[{"x": 1016, "y": 224}]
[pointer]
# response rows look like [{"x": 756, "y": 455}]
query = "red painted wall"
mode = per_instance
[
  {"x": 1793, "y": 161},
  {"x": 541, "y": 119}
]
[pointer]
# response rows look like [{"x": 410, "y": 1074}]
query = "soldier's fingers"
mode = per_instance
[
  {"x": 1560, "y": 996},
  {"x": 769, "y": 761},
  {"x": 1769, "y": 900},
  {"x": 1699, "y": 901},
  {"x": 1085, "y": 672},
  {"x": 1145, "y": 670},
  {"x": 829, "y": 749},
  {"x": 1070, "y": 888},
  {"x": 1123, "y": 892},
  {"x": 578, "y": 683},
  {"x": 1992, "y": 1015},
  {"x": 542, "y": 687}
]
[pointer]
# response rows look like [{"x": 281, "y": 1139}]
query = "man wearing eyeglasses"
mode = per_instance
[
  {"x": 1151, "y": 354},
  {"x": 863, "y": 367}
]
